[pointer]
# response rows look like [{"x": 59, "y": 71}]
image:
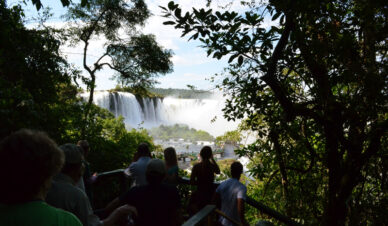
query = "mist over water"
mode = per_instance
[{"x": 200, "y": 114}]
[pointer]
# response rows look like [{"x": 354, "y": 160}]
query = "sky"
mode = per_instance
[{"x": 191, "y": 64}]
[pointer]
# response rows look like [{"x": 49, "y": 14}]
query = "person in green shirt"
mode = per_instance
[{"x": 28, "y": 161}]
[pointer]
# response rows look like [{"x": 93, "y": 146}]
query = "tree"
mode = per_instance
[
  {"x": 39, "y": 5},
  {"x": 35, "y": 80},
  {"x": 135, "y": 57},
  {"x": 322, "y": 68},
  {"x": 232, "y": 137}
]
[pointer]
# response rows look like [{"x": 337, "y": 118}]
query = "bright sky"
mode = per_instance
[{"x": 191, "y": 64}]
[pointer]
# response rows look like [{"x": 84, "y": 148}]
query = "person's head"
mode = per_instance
[
  {"x": 236, "y": 169},
  {"x": 28, "y": 161},
  {"x": 84, "y": 145},
  {"x": 73, "y": 166},
  {"x": 206, "y": 153},
  {"x": 170, "y": 156},
  {"x": 156, "y": 171},
  {"x": 143, "y": 150}
]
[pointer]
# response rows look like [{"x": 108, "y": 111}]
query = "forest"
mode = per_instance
[
  {"x": 161, "y": 92},
  {"x": 180, "y": 132},
  {"x": 313, "y": 87}
]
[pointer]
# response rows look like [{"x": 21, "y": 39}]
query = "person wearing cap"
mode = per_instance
[
  {"x": 156, "y": 203},
  {"x": 137, "y": 169},
  {"x": 66, "y": 195},
  {"x": 28, "y": 161}
]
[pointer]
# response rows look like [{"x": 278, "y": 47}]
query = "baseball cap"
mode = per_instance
[
  {"x": 156, "y": 166},
  {"x": 72, "y": 153}
]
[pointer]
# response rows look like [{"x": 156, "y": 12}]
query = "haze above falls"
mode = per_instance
[{"x": 200, "y": 114}]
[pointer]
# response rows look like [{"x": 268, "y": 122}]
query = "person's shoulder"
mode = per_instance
[
  {"x": 196, "y": 165},
  {"x": 132, "y": 164},
  {"x": 227, "y": 181},
  {"x": 65, "y": 218},
  {"x": 223, "y": 184},
  {"x": 242, "y": 186},
  {"x": 78, "y": 192},
  {"x": 70, "y": 219}
]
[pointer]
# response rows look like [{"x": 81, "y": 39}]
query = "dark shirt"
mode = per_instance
[
  {"x": 204, "y": 177},
  {"x": 156, "y": 204}
]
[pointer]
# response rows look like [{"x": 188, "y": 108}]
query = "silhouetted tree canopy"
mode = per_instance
[
  {"x": 314, "y": 87},
  {"x": 134, "y": 57}
]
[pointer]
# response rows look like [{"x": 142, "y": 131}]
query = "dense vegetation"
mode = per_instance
[
  {"x": 37, "y": 92},
  {"x": 160, "y": 92},
  {"x": 229, "y": 137},
  {"x": 314, "y": 88},
  {"x": 182, "y": 93},
  {"x": 135, "y": 58},
  {"x": 179, "y": 131}
]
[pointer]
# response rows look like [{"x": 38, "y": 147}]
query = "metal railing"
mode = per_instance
[{"x": 202, "y": 214}]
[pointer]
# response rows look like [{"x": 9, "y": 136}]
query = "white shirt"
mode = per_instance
[
  {"x": 229, "y": 191},
  {"x": 138, "y": 171},
  {"x": 64, "y": 195}
]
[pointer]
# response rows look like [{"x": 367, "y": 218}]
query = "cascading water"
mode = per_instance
[{"x": 201, "y": 114}]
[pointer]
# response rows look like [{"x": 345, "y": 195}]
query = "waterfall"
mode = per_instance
[
  {"x": 121, "y": 103},
  {"x": 201, "y": 114}
]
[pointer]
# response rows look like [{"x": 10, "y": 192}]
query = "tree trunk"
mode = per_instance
[
  {"x": 282, "y": 166},
  {"x": 88, "y": 106}
]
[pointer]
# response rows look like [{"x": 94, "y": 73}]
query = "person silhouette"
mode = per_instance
[{"x": 202, "y": 176}]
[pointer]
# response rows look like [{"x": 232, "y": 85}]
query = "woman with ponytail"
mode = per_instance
[{"x": 202, "y": 176}]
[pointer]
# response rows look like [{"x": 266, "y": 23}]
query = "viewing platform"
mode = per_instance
[{"x": 205, "y": 216}]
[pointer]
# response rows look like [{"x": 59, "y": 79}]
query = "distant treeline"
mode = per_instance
[
  {"x": 178, "y": 131},
  {"x": 160, "y": 92},
  {"x": 181, "y": 93}
]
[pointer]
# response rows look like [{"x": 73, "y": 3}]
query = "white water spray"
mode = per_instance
[{"x": 201, "y": 114}]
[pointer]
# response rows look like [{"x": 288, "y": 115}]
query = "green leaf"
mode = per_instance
[
  {"x": 171, "y": 5},
  {"x": 276, "y": 16},
  {"x": 67, "y": 2},
  {"x": 169, "y": 23},
  {"x": 232, "y": 57},
  {"x": 37, "y": 3},
  {"x": 164, "y": 8},
  {"x": 282, "y": 19},
  {"x": 83, "y": 3},
  {"x": 178, "y": 13},
  {"x": 240, "y": 60}
]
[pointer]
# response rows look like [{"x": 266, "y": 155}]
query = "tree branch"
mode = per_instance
[
  {"x": 291, "y": 109},
  {"x": 96, "y": 66}
]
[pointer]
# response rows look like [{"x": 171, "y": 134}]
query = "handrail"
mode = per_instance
[
  {"x": 200, "y": 216},
  {"x": 261, "y": 207},
  {"x": 271, "y": 212},
  {"x": 219, "y": 212}
]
